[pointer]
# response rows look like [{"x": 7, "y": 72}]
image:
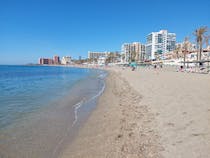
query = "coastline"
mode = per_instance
[
  {"x": 119, "y": 126},
  {"x": 147, "y": 113},
  {"x": 46, "y": 130}
]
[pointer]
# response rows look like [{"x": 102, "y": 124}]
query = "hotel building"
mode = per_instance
[
  {"x": 56, "y": 60},
  {"x": 48, "y": 61},
  {"x": 45, "y": 61},
  {"x": 96, "y": 55},
  {"x": 133, "y": 51},
  {"x": 159, "y": 43}
]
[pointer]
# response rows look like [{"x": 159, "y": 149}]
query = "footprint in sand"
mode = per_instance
[
  {"x": 180, "y": 141},
  {"x": 184, "y": 113},
  {"x": 133, "y": 125},
  {"x": 123, "y": 119},
  {"x": 124, "y": 148},
  {"x": 119, "y": 136},
  {"x": 198, "y": 134},
  {"x": 170, "y": 124},
  {"x": 189, "y": 123},
  {"x": 130, "y": 134},
  {"x": 157, "y": 114}
]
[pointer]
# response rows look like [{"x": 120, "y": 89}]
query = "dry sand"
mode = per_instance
[{"x": 148, "y": 114}]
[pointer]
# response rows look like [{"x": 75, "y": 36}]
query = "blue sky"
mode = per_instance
[{"x": 30, "y": 29}]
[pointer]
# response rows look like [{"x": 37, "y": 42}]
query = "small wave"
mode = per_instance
[
  {"x": 76, "y": 108},
  {"x": 102, "y": 76},
  {"x": 99, "y": 93},
  {"x": 78, "y": 105}
]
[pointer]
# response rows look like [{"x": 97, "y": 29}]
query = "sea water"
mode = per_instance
[{"x": 41, "y": 107}]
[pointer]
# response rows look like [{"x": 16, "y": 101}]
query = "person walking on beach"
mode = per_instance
[
  {"x": 133, "y": 68},
  {"x": 155, "y": 67}
]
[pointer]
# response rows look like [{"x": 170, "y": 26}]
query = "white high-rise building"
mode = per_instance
[
  {"x": 133, "y": 51},
  {"x": 159, "y": 43}
]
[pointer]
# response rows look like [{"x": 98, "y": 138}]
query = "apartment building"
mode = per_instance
[
  {"x": 46, "y": 61},
  {"x": 96, "y": 55},
  {"x": 66, "y": 60},
  {"x": 159, "y": 43},
  {"x": 133, "y": 52},
  {"x": 56, "y": 59}
]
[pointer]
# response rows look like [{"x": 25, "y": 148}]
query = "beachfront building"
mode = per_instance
[
  {"x": 93, "y": 57},
  {"x": 190, "y": 46},
  {"x": 158, "y": 43},
  {"x": 113, "y": 57},
  {"x": 208, "y": 48},
  {"x": 133, "y": 52},
  {"x": 66, "y": 60},
  {"x": 192, "y": 56},
  {"x": 101, "y": 61},
  {"x": 108, "y": 57},
  {"x": 56, "y": 60},
  {"x": 46, "y": 61},
  {"x": 96, "y": 55}
]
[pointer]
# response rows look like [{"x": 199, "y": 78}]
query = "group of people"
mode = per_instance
[{"x": 158, "y": 66}]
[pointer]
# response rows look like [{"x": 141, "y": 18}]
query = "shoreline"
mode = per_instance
[
  {"x": 112, "y": 130},
  {"x": 147, "y": 113},
  {"x": 46, "y": 130}
]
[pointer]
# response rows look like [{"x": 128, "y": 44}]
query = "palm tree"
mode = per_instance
[
  {"x": 177, "y": 51},
  {"x": 122, "y": 56},
  {"x": 142, "y": 57},
  {"x": 199, "y": 34},
  {"x": 133, "y": 56},
  {"x": 207, "y": 37},
  {"x": 110, "y": 57},
  {"x": 185, "y": 48}
]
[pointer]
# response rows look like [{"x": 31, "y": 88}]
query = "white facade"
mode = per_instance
[
  {"x": 193, "y": 56},
  {"x": 101, "y": 61},
  {"x": 159, "y": 43},
  {"x": 66, "y": 60},
  {"x": 133, "y": 50},
  {"x": 96, "y": 55},
  {"x": 190, "y": 46}
]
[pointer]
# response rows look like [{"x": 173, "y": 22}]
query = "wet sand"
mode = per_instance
[
  {"x": 120, "y": 126},
  {"x": 149, "y": 114}
]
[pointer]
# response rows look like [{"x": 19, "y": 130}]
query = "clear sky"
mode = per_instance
[{"x": 30, "y": 29}]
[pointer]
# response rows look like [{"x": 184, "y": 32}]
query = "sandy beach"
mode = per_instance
[{"x": 148, "y": 114}]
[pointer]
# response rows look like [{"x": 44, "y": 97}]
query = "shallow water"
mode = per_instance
[{"x": 40, "y": 122}]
